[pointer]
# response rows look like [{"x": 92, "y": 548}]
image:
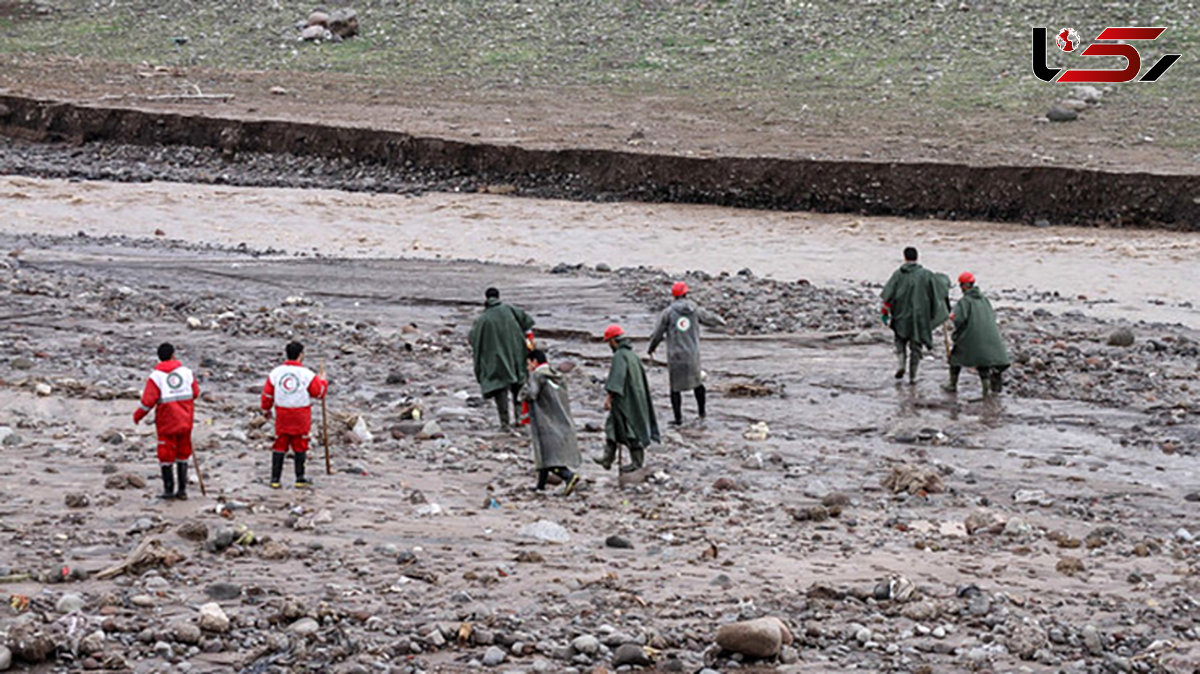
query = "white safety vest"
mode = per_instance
[
  {"x": 173, "y": 386},
  {"x": 291, "y": 385}
]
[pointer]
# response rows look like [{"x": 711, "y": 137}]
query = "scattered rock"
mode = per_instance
[
  {"x": 1058, "y": 113},
  {"x": 724, "y": 484},
  {"x": 344, "y": 23},
  {"x": 21, "y": 363},
  {"x": 632, "y": 655},
  {"x": 586, "y": 644},
  {"x": 1121, "y": 337},
  {"x": 223, "y": 591},
  {"x": 757, "y": 431},
  {"x": 836, "y": 498},
  {"x": 5, "y": 658},
  {"x": 1092, "y": 642},
  {"x": 758, "y": 638},
  {"x": 493, "y": 656},
  {"x": 213, "y": 618},
  {"x": 983, "y": 521},
  {"x": 914, "y": 480},
  {"x": 618, "y": 542},
  {"x": 193, "y": 530},
  {"x": 546, "y": 532},
  {"x": 1025, "y": 640},
  {"x": 304, "y": 627},
  {"x": 77, "y": 500},
  {"x": 1037, "y": 496},
  {"x": 69, "y": 603},
  {"x": 1017, "y": 527},
  {"x": 1069, "y": 566},
  {"x": 186, "y": 632},
  {"x": 29, "y": 642},
  {"x": 274, "y": 551},
  {"x": 43, "y": 389}
]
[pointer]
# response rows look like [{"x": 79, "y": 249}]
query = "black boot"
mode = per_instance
[
  {"x": 677, "y": 407},
  {"x": 952, "y": 385},
  {"x": 168, "y": 478},
  {"x": 610, "y": 455},
  {"x": 181, "y": 480},
  {"x": 701, "y": 394},
  {"x": 543, "y": 476},
  {"x": 277, "y": 469},
  {"x": 997, "y": 380},
  {"x": 637, "y": 457},
  {"x": 301, "y": 480}
]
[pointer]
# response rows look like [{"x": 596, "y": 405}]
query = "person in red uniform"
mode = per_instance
[
  {"x": 290, "y": 389},
  {"x": 171, "y": 391}
]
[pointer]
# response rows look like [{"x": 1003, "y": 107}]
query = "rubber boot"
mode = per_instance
[
  {"x": 543, "y": 476},
  {"x": 900, "y": 362},
  {"x": 301, "y": 480},
  {"x": 952, "y": 385},
  {"x": 610, "y": 455},
  {"x": 997, "y": 381},
  {"x": 985, "y": 382},
  {"x": 181, "y": 471},
  {"x": 277, "y": 469},
  {"x": 701, "y": 394},
  {"x": 914, "y": 361},
  {"x": 677, "y": 408},
  {"x": 502, "y": 410},
  {"x": 168, "y": 478},
  {"x": 637, "y": 457}
]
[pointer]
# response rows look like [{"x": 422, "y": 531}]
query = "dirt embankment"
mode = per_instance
[{"x": 1028, "y": 194}]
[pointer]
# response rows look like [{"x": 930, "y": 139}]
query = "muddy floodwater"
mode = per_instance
[
  {"x": 891, "y": 528},
  {"x": 1128, "y": 274}
]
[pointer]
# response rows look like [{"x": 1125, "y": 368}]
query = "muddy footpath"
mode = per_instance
[{"x": 875, "y": 526}]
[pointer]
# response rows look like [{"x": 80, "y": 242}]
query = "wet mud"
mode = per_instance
[{"x": 892, "y": 528}]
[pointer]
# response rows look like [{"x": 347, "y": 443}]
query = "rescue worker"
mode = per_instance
[
  {"x": 914, "y": 302},
  {"x": 500, "y": 339},
  {"x": 679, "y": 324},
  {"x": 631, "y": 420},
  {"x": 552, "y": 427},
  {"x": 171, "y": 391},
  {"x": 977, "y": 341},
  {"x": 290, "y": 388}
]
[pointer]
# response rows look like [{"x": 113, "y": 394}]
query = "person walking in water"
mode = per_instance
[
  {"x": 679, "y": 325},
  {"x": 914, "y": 301}
]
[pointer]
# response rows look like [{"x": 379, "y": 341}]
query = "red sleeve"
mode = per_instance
[
  {"x": 195, "y": 390},
  {"x": 149, "y": 400},
  {"x": 268, "y": 395},
  {"x": 318, "y": 387}
]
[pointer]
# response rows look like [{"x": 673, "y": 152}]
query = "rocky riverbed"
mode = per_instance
[{"x": 885, "y": 528}]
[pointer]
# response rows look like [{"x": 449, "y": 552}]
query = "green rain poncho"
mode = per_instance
[
  {"x": 553, "y": 427},
  {"x": 498, "y": 342},
  {"x": 631, "y": 420},
  {"x": 977, "y": 341},
  {"x": 918, "y": 299}
]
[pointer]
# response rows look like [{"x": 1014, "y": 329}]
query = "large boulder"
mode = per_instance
[{"x": 758, "y": 638}]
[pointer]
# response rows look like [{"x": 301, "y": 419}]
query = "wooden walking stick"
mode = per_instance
[
  {"x": 199, "y": 475},
  {"x": 946, "y": 334},
  {"x": 325, "y": 422}
]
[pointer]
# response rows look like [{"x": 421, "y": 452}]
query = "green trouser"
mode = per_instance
[
  {"x": 501, "y": 398},
  {"x": 991, "y": 379},
  {"x": 910, "y": 351}
]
